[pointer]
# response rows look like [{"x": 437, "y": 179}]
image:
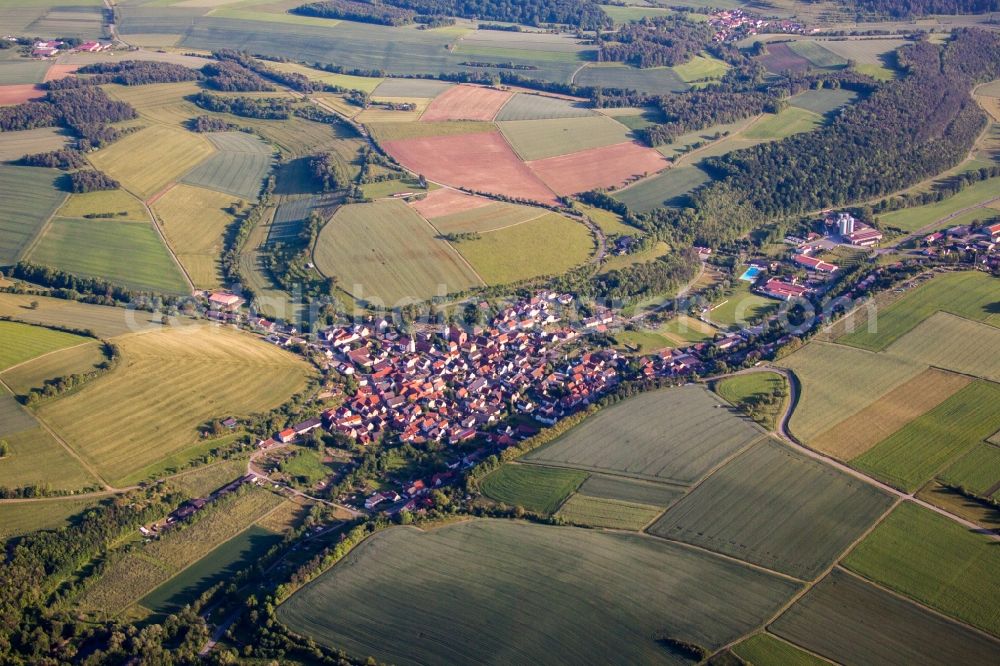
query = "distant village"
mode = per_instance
[
  {"x": 44, "y": 49},
  {"x": 734, "y": 24}
]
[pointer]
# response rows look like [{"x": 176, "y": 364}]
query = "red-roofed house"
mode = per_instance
[
  {"x": 784, "y": 290},
  {"x": 220, "y": 300},
  {"x": 813, "y": 264},
  {"x": 994, "y": 231}
]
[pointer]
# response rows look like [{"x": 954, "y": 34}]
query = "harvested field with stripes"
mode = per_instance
[
  {"x": 538, "y": 489},
  {"x": 884, "y": 416},
  {"x": 946, "y": 341},
  {"x": 480, "y": 161},
  {"x": 630, "y": 490},
  {"x": 445, "y": 202},
  {"x": 483, "y": 219},
  {"x": 466, "y": 102},
  {"x": 194, "y": 221},
  {"x": 524, "y": 106},
  {"x": 539, "y": 139},
  {"x": 978, "y": 471},
  {"x": 668, "y": 188},
  {"x": 15, "y": 145},
  {"x": 104, "y": 321},
  {"x": 385, "y": 252},
  {"x": 609, "y": 166},
  {"x": 30, "y": 196},
  {"x": 608, "y": 513},
  {"x": 239, "y": 166}
]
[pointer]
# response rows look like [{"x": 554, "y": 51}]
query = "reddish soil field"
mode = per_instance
[
  {"x": 780, "y": 59},
  {"x": 609, "y": 166},
  {"x": 466, "y": 103},
  {"x": 15, "y": 94},
  {"x": 482, "y": 161},
  {"x": 439, "y": 203},
  {"x": 56, "y": 72}
]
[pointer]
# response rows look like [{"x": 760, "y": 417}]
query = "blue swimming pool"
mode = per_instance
[{"x": 751, "y": 274}]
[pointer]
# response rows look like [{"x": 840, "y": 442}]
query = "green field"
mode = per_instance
[
  {"x": 929, "y": 215},
  {"x": 701, "y": 67},
  {"x": 872, "y": 56},
  {"x": 793, "y": 120},
  {"x": 913, "y": 454},
  {"x": 609, "y": 513},
  {"x": 168, "y": 383},
  {"x": 411, "y": 88},
  {"x": 103, "y": 202},
  {"x": 307, "y": 467},
  {"x": 823, "y": 100},
  {"x": 538, "y": 489},
  {"x": 76, "y": 359},
  {"x": 14, "y": 145},
  {"x": 968, "y": 294},
  {"x": 396, "y": 131},
  {"x": 766, "y": 650},
  {"x": 127, "y": 253},
  {"x": 610, "y": 223},
  {"x": 978, "y": 471},
  {"x": 946, "y": 341},
  {"x": 642, "y": 341},
  {"x": 30, "y": 196},
  {"x": 654, "y": 80},
  {"x": 129, "y": 578},
  {"x": 672, "y": 435},
  {"x": 548, "y": 245},
  {"x": 776, "y": 508},
  {"x": 837, "y": 382},
  {"x": 486, "y": 218},
  {"x": 688, "y": 141},
  {"x": 746, "y": 389},
  {"x": 104, "y": 321},
  {"x": 739, "y": 306},
  {"x": 683, "y": 330},
  {"x": 22, "y": 342},
  {"x": 517, "y": 592},
  {"x": 629, "y": 490},
  {"x": 20, "y": 518},
  {"x": 538, "y": 139},
  {"x": 667, "y": 188},
  {"x": 619, "y": 261},
  {"x": 226, "y": 560},
  {"x": 817, "y": 55},
  {"x": 523, "y": 106},
  {"x": 385, "y": 252},
  {"x": 238, "y": 168},
  {"x": 35, "y": 457},
  {"x": 387, "y": 188},
  {"x": 851, "y": 622},
  {"x": 363, "y": 83},
  {"x": 936, "y": 561}
]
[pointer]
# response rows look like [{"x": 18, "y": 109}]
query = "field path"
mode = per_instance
[
  {"x": 790, "y": 440},
  {"x": 159, "y": 232}
]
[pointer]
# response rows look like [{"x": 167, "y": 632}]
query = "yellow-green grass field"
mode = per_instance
[
  {"x": 538, "y": 489},
  {"x": 871, "y": 56},
  {"x": 683, "y": 330},
  {"x": 667, "y": 188},
  {"x": 146, "y": 161},
  {"x": 672, "y": 435},
  {"x": 396, "y": 131},
  {"x": 442, "y": 591},
  {"x": 363, "y": 83},
  {"x": 913, "y": 454},
  {"x": 491, "y": 217},
  {"x": 76, "y": 359},
  {"x": 191, "y": 477},
  {"x": 619, "y": 261},
  {"x": 377, "y": 114},
  {"x": 527, "y": 106},
  {"x": 739, "y": 306},
  {"x": 200, "y": 481},
  {"x": 37, "y": 459},
  {"x": 978, "y": 471},
  {"x": 936, "y": 561},
  {"x": 130, "y": 577},
  {"x": 610, "y": 223},
  {"x": 387, "y": 188},
  {"x": 22, "y": 517},
  {"x": 792, "y": 120},
  {"x": 823, "y": 100},
  {"x": 701, "y": 67},
  {"x": 838, "y": 381},
  {"x": 103, "y": 202},
  {"x": 744, "y": 390},
  {"x": 776, "y": 508},
  {"x": 238, "y": 168},
  {"x": 385, "y": 251},
  {"x": 167, "y": 384},
  {"x": 102, "y": 320},
  {"x": 686, "y": 142},
  {"x": 642, "y": 341},
  {"x": 968, "y": 294},
  {"x": 946, "y": 341},
  {"x": 426, "y": 88},
  {"x": 817, "y": 55},
  {"x": 127, "y": 253},
  {"x": 30, "y": 195},
  {"x": 547, "y": 245},
  {"x": 298, "y": 136},
  {"x": 919, "y": 217},
  {"x": 767, "y": 650},
  {"x": 884, "y": 416},
  {"x": 160, "y": 103},
  {"x": 194, "y": 221},
  {"x": 623, "y": 489},
  {"x": 608, "y": 513},
  {"x": 22, "y": 342},
  {"x": 850, "y": 621},
  {"x": 15, "y": 145},
  {"x": 538, "y": 139}
]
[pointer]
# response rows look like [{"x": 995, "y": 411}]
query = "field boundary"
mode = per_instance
[{"x": 45, "y": 226}]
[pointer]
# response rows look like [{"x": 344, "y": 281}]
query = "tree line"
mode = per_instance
[
  {"x": 86, "y": 111},
  {"x": 351, "y": 10},
  {"x": 265, "y": 108},
  {"x": 126, "y": 73},
  {"x": 662, "y": 41},
  {"x": 911, "y": 8}
]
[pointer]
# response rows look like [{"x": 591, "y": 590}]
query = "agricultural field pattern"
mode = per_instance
[{"x": 423, "y": 332}]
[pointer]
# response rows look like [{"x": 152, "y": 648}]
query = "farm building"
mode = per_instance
[
  {"x": 813, "y": 264},
  {"x": 219, "y": 300},
  {"x": 784, "y": 290}
]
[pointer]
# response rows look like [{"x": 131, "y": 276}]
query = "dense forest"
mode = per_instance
[
  {"x": 86, "y": 111},
  {"x": 577, "y": 13},
  {"x": 230, "y": 76},
  {"x": 904, "y": 132},
  {"x": 910, "y": 8},
  {"x": 663, "y": 41},
  {"x": 350, "y": 10},
  {"x": 126, "y": 73},
  {"x": 64, "y": 158},
  {"x": 267, "y": 108},
  {"x": 91, "y": 180}
]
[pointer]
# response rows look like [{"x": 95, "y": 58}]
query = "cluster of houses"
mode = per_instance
[
  {"x": 734, "y": 24},
  {"x": 981, "y": 240},
  {"x": 54, "y": 47}
]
